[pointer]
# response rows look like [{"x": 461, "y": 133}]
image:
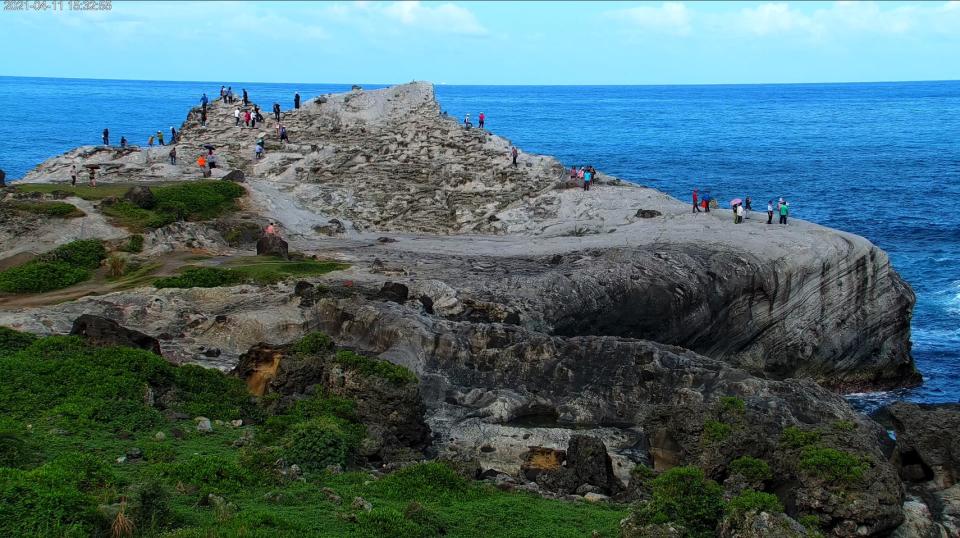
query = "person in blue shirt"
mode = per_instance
[
  {"x": 204, "y": 100},
  {"x": 587, "y": 176}
]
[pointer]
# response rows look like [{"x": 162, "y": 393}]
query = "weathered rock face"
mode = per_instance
[
  {"x": 141, "y": 196},
  {"x": 272, "y": 245},
  {"x": 392, "y": 413},
  {"x": 584, "y": 464},
  {"x": 928, "y": 442},
  {"x": 761, "y": 525},
  {"x": 105, "y": 332}
]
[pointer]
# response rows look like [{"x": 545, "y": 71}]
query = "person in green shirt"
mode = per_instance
[{"x": 784, "y": 211}]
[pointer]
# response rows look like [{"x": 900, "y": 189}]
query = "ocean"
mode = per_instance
[{"x": 881, "y": 160}]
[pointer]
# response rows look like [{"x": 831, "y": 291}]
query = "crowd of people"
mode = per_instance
[{"x": 741, "y": 208}]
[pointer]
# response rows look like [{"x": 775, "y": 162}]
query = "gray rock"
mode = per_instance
[
  {"x": 272, "y": 245},
  {"x": 160, "y": 436},
  {"x": 203, "y": 425},
  {"x": 359, "y": 503},
  {"x": 101, "y": 331},
  {"x": 141, "y": 196}
]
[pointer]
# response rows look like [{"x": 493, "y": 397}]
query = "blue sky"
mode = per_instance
[{"x": 491, "y": 42}]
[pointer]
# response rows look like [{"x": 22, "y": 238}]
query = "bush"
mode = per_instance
[
  {"x": 715, "y": 431},
  {"x": 319, "y": 442},
  {"x": 199, "y": 277},
  {"x": 732, "y": 404},
  {"x": 209, "y": 392},
  {"x": 117, "y": 265},
  {"x": 198, "y": 200},
  {"x": 12, "y": 341},
  {"x": 85, "y": 253},
  {"x": 387, "y": 523},
  {"x": 683, "y": 495},
  {"x": 431, "y": 481},
  {"x": 313, "y": 344},
  {"x": 151, "y": 505},
  {"x": 50, "y": 209},
  {"x": 832, "y": 464},
  {"x": 40, "y": 277},
  {"x": 754, "y": 501},
  {"x": 394, "y": 373},
  {"x": 794, "y": 437},
  {"x": 159, "y": 453},
  {"x": 211, "y": 473},
  {"x": 134, "y": 244},
  {"x": 753, "y": 469},
  {"x": 18, "y": 449},
  {"x": 844, "y": 425}
]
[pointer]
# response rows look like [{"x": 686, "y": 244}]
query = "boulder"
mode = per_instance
[
  {"x": 585, "y": 462},
  {"x": 236, "y": 176},
  {"x": 648, "y": 213},
  {"x": 141, "y": 196},
  {"x": 928, "y": 441},
  {"x": 393, "y": 291},
  {"x": 272, "y": 245},
  {"x": 761, "y": 525},
  {"x": 331, "y": 228},
  {"x": 101, "y": 331}
]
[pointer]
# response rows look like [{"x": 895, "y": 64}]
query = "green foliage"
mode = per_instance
[
  {"x": 199, "y": 277},
  {"x": 683, "y": 495},
  {"x": 753, "y": 469},
  {"x": 83, "y": 253},
  {"x": 18, "y": 448},
  {"x": 732, "y": 404},
  {"x": 134, "y": 244},
  {"x": 844, "y": 425},
  {"x": 832, "y": 464},
  {"x": 12, "y": 341},
  {"x": 388, "y": 523},
  {"x": 313, "y": 344},
  {"x": 431, "y": 481},
  {"x": 194, "y": 201},
  {"x": 641, "y": 472},
  {"x": 754, "y": 501},
  {"x": 394, "y": 373},
  {"x": 49, "y": 209},
  {"x": 209, "y": 472},
  {"x": 136, "y": 218},
  {"x": 101, "y": 191},
  {"x": 319, "y": 442},
  {"x": 810, "y": 522},
  {"x": 39, "y": 277},
  {"x": 150, "y": 505},
  {"x": 159, "y": 452},
  {"x": 794, "y": 437},
  {"x": 207, "y": 392},
  {"x": 715, "y": 431}
]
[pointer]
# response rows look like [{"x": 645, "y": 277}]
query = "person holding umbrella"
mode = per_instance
[{"x": 734, "y": 204}]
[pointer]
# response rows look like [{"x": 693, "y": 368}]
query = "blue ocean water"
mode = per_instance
[{"x": 881, "y": 160}]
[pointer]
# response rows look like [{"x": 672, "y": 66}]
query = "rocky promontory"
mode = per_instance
[{"x": 537, "y": 318}]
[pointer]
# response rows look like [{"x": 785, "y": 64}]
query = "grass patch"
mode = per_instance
[
  {"x": 394, "y": 373},
  {"x": 249, "y": 270},
  {"x": 86, "y": 192},
  {"x": 85, "y": 407},
  {"x": 732, "y": 404},
  {"x": 134, "y": 244},
  {"x": 191, "y": 201},
  {"x": 61, "y": 210},
  {"x": 715, "y": 431},
  {"x": 62, "y": 267},
  {"x": 753, "y": 501},
  {"x": 832, "y": 464}
]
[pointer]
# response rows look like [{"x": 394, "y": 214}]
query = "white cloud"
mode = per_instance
[
  {"x": 668, "y": 17},
  {"x": 775, "y": 18},
  {"x": 446, "y": 18}
]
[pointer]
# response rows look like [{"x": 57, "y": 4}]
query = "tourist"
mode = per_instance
[
  {"x": 123, "y": 141},
  {"x": 73, "y": 175},
  {"x": 246, "y": 118},
  {"x": 160, "y": 138},
  {"x": 173, "y": 135},
  {"x": 202, "y": 163},
  {"x": 271, "y": 229},
  {"x": 784, "y": 211},
  {"x": 770, "y": 212},
  {"x": 480, "y": 119},
  {"x": 573, "y": 172},
  {"x": 256, "y": 113},
  {"x": 260, "y": 141},
  {"x": 258, "y": 152},
  {"x": 296, "y": 102},
  {"x": 230, "y": 94},
  {"x": 150, "y": 141},
  {"x": 223, "y": 93},
  {"x": 246, "y": 100},
  {"x": 204, "y": 100},
  {"x": 203, "y": 117},
  {"x": 106, "y": 136},
  {"x": 253, "y": 121},
  {"x": 3, "y": 177},
  {"x": 587, "y": 176},
  {"x": 514, "y": 153},
  {"x": 173, "y": 155},
  {"x": 706, "y": 203},
  {"x": 747, "y": 207},
  {"x": 696, "y": 206},
  {"x": 466, "y": 121},
  {"x": 276, "y": 111},
  {"x": 236, "y": 115},
  {"x": 283, "y": 134},
  {"x": 738, "y": 211},
  {"x": 93, "y": 177}
]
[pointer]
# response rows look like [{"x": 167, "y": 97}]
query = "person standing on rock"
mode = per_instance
[
  {"x": 258, "y": 152},
  {"x": 246, "y": 118},
  {"x": 283, "y": 134},
  {"x": 738, "y": 214},
  {"x": 296, "y": 102},
  {"x": 748, "y": 207},
  {"x": 236, "y": 115},
  {"x": 784, "y": 211},
  {"x": 514, "y": 153},
  {"x": 271, "y": 229},
  {"x": 696, "y": 204},
  {"x": 173, "y": 155},
  {"x": 73, "y": 175},
  {"x": 253, "y": 120},
  {"x": 223, "y": 93},
  {"x": 106, "y": 136},
  {"x": 276, "y": 111},
  {"x": 466, "y": 121},
  {"x": 480, "y": 119},
  {"x": 203, "y": 117},
  {"x": 150, "y": 141},
  {"x": 204, "y": 100},
  {"x": 246, "y": 100},
  {"x": 587, "y": 176},
  {"x": 770, "y": 212},
  {"x": 160, "y": 138},
  {"x": 173, "y": 135},
  {"x": 202, "y": 163}
]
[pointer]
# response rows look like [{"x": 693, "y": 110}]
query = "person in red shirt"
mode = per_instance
[
  {"x": 246, "y": 118},
  {"x": 481, "y": 118},
  {"x": 696, "y": 207}
]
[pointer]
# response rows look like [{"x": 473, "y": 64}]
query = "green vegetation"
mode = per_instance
[
  {"x": 732, "y": 404},
  {"x": 683, "y": 495},
  {"x": 394, "y": 373},
  {"x": 195, "y": 200},
  {"x": 134, "y": 244},
  {"x": 715, "y": 431},
  {"x": 794, "y": 437},
  {"x": 70, "y": 410},
  {"x": 50, "y": 209},
  {"x": 754, "y": 501},
  {"x": 753, "y": 469},
  {"x": 62, "y": 267},
  {"x": 86, "y": 192},
  {"x": 832, "y": 464},
  {"x": 844, "y": 426},
  {"x": 313, "y": 343},
  {"x": 253, "y": 270}
]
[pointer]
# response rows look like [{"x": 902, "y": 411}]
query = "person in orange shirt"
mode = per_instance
[{"x": 202, "y": 162}]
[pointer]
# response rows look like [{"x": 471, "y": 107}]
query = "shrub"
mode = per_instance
[
  {"x": 431, "y": 481},
  {"x": 159, "y": 453},
  {"x": 85, "y": 253},
  {"x": 50, "y": 209},
  {"x": 319, "y": 442},
  {"x": 715, "y": 431},
  {"x": 12, "y": 341},
  {"x": 732, "y": 404},
  {"x": 753, "y": 469},
  {"x": 844, "y": 425},
  {"x": 387, "y": 523},
  {"x": 198, "y": 200},
  {"x": 209, "y": 392},
  {"x": 794, "y": 437},
  {"x": 683, "y": 495},
  {"x": 832, "y": 464},
  {"x": 313, "y": 343},
  {"x": 211, "y": 473},
  {"x": 40, "y": 277},
  {"x": 18, "y": 449},
  {"x": 641, "y": 472},
  {"x": 116, "y": 265},
  {"x": 810, "y": 522},
  {"x": 754, "y": 501},
  {"x": 394, "y": 373},
  {"x": 134, "y": 244},
  {"x": 151, "y": 505},
  {"x": 199, "y": 277}
]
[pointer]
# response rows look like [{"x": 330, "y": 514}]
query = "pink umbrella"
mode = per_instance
[{"x": 735, "y": 201}]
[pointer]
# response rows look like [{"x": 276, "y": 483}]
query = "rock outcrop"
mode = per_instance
[{"x": 101, "y": 331}]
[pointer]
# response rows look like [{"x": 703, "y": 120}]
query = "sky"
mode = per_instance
[{"x": 497, "y": 43}]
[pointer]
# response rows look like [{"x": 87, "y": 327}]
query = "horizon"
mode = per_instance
[{"x": 667, "y": 43}]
